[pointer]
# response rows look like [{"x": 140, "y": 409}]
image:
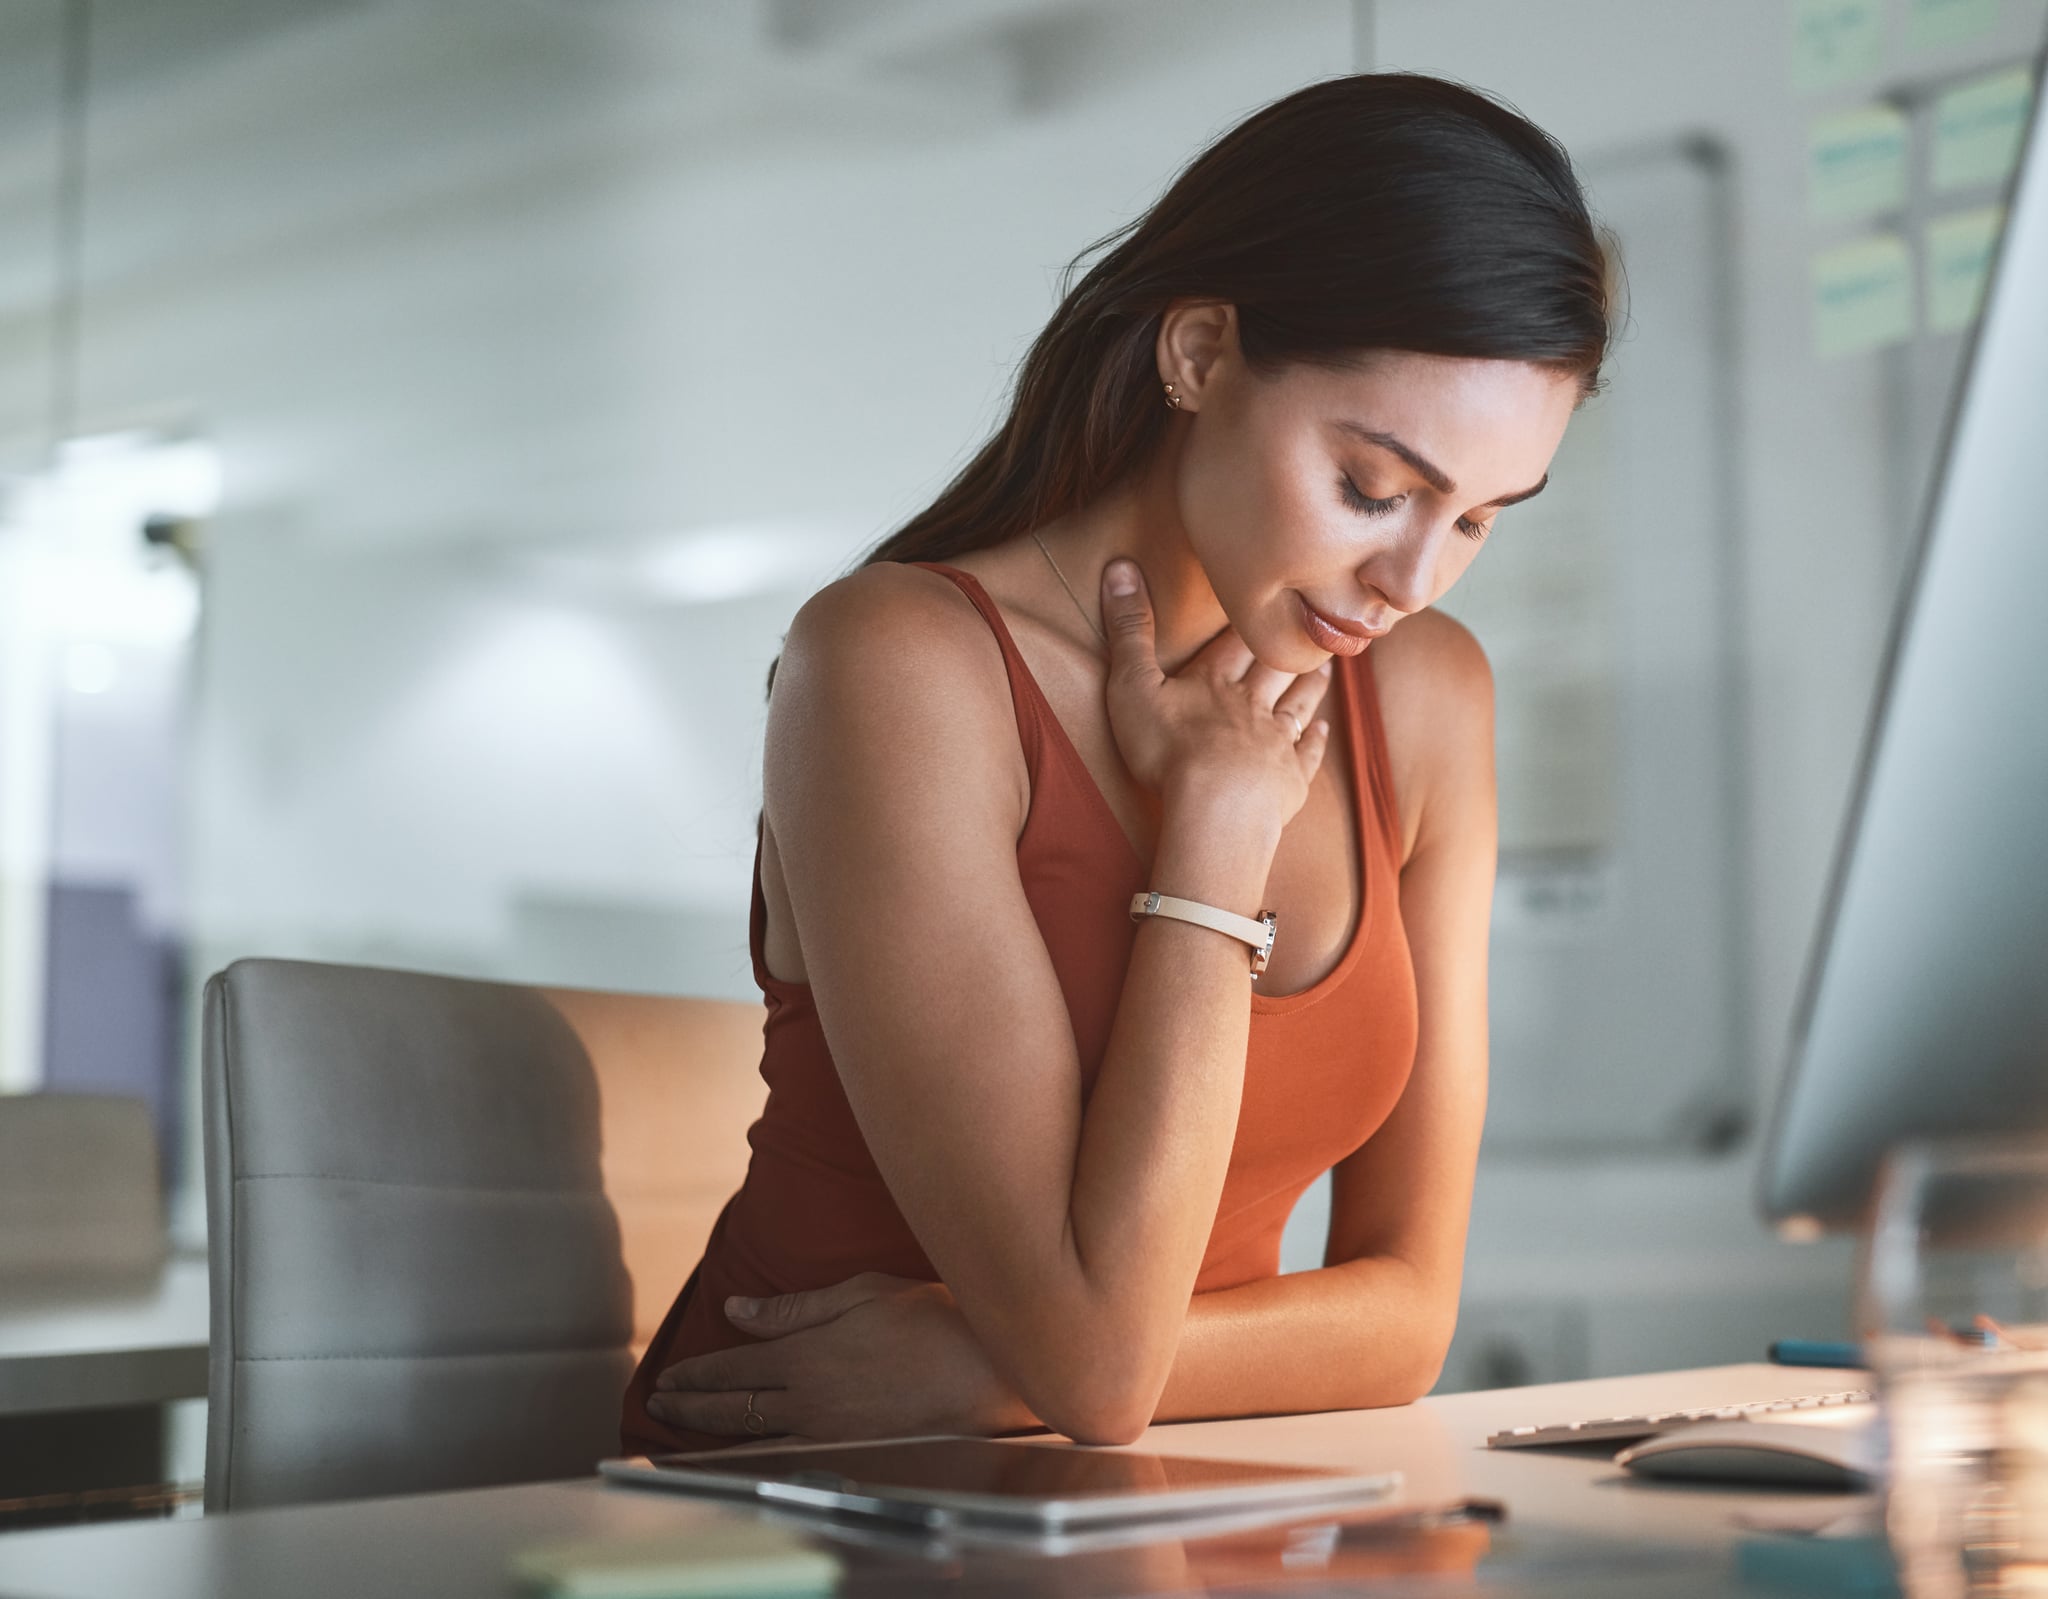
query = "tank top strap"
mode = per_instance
[
  {"x": 1369, "y": 739},
  {"x": 1026, "y": 697}
]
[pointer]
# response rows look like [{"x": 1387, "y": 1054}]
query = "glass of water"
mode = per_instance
[{"x": 1953, "y": 1311}]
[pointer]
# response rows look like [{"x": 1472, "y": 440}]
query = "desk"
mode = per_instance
[
  {"x": 86, "y": 1369},
  {"x": 80, "y": 1347},
  {"x": 1576, "y": 1526}
]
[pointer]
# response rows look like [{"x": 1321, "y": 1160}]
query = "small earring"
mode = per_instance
[{"x": 1172, "y": 397}]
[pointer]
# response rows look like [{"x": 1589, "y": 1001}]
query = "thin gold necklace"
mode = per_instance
[{"x": 1093, "y": 626}]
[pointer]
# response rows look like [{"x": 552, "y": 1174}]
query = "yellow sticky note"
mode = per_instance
[
  {"x": 1856, "y": 163},
  {"x": 1931, "y": 22},
  {"x": 1978, "y": 128},
  {"x": 1862, "y": 295},
  {"x": 721, "y": 1560},
  {"x": 1834, "y": 41},
  {"x": 1960, "y": 248}
]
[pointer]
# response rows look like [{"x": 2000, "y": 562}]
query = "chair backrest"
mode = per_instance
[
  {"x": 680, "y": 1083},
  {"x": 418, "y": 1278},
  {"x": 80, "y": 1192}
]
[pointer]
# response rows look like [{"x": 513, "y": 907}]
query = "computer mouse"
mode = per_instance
[{"x": 1768, "y": 1454}]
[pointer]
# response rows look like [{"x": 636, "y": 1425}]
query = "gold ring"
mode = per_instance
[{"x": 754, "y": 1421}]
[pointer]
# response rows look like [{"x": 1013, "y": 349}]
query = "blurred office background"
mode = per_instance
[{"x": 420, "y": 418}]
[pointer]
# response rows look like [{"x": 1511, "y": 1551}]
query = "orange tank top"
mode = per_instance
[{"x": 1324, "y": 1068}]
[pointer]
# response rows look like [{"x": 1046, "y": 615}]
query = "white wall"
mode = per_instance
[
  {"x": 474, "y": 296},
  {"x": 657, "y": 321}
]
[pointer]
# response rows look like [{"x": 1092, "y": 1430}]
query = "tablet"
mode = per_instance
[{"x": 940, "y": 1483}]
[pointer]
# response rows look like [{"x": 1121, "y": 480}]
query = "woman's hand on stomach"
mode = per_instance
[{"x": 874, "y": 1357}]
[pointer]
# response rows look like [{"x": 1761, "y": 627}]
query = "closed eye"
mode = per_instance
[
  {"x": 1358, "y": 500},
  {"x": 1366, "y": 505}
]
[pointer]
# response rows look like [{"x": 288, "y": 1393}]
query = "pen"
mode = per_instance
[
  {"x": 1814, "y": 1352},
  {"x": 1418, "y": 1518}
]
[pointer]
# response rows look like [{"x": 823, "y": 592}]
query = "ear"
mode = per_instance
[{"x": 1196, "y": 339}]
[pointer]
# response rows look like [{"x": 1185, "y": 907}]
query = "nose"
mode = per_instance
[{"x": 1405, "y": 573}]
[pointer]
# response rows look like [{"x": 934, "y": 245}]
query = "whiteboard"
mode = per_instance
[{"x": 1608, "y": 608}]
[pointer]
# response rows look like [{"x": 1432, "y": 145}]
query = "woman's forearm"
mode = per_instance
[
  {"x": 1356, "y": 1336},
  {"x": 1366, "y": 1333},
  {"x": 1091, "y": 1342},
  {"x": 1158, "y": 1130}
]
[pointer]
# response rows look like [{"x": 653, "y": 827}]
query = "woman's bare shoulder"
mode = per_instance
[
  {"x": 890, "y": 665},
  {"x": 1434, "y": 655},
  {"x": 883, "y": 609},
  {"x": 890, "y": 619},
  {"x": 1436, "y": 702}
]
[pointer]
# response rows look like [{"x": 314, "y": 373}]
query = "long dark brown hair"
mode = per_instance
[{"x": 1379, "y": 211}]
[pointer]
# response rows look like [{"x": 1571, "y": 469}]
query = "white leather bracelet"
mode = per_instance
[{"x": 1259, "y": 932}]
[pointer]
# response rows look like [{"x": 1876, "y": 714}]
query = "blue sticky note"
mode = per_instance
[
  {"x": 1959, "y": 252},
  {"x": 1978, "y": 128},
  {"x": 1938, "y": 22},
  {"x": 1862, "y": 295},
  {"x": 1835, "y": 41},
  {"x": 1856, "y": 163}
]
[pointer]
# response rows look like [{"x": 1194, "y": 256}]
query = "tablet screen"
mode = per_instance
[{"x": 986, "y": 1467}]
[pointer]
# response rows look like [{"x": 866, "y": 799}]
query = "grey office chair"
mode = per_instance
[{"x": 417, "y": 1276}]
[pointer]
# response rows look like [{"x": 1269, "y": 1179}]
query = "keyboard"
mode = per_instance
[{"x": 1620, "y": 1429}]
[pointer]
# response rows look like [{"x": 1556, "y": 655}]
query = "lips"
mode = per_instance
[{"x": 1336, "y": 634}]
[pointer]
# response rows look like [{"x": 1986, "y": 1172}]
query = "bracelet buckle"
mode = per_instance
[{"x": 1264, "y": 952}]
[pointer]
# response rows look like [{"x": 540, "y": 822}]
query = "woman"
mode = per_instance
[{"x": 1028, "y": 1153}]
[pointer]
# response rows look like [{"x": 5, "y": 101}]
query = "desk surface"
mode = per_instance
[
  {"x": 1576, "y": 1525},
  {"x": 73, "y": 1346}
]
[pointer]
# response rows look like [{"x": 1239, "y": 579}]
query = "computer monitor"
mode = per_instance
[{"x": 1925, "y": 1007}]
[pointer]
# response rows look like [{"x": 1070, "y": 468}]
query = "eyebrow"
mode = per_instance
[{"x": 1432, "y": 474}]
